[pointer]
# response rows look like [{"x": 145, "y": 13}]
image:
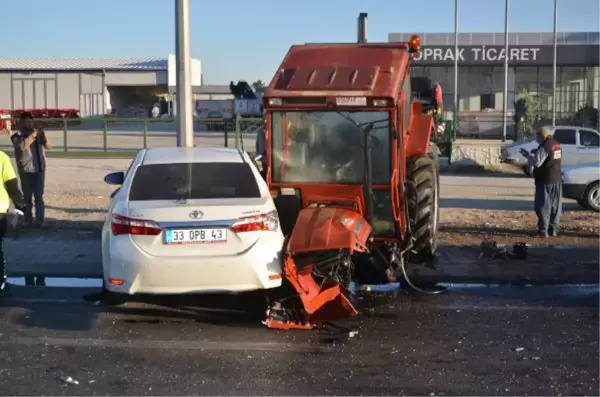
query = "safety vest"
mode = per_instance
[{"x": 8, "y": 173}]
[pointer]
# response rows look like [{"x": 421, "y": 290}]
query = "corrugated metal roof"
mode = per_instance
[{"x": 83, "y": 64}]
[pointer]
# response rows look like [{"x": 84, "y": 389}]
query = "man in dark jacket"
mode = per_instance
[
  {"x": 548, "y": 182},
  {"x": 30, "y": 145},
  {"x": 9, "y": 191}
]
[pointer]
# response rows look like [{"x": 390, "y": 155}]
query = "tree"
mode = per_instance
[
  {"x": 526, "y": 111},
  {"x": 259, "y": 86}
]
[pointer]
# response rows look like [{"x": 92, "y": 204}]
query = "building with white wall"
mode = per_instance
[{"x": 93, "y": 86}]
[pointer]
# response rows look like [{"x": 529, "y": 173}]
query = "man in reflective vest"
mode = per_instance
[
  {"x": 547, "y": 163},
  {"x": 9, "y": 191}
]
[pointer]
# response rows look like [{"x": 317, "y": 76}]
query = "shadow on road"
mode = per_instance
[
  {"x": 72, "y": 210},
  {"x": 487, "y": 204},
  {"x": 243, "y": 310},
  {"x": 499, "y": 204},
  {"x": 483, "y": 231},
  {"x": 479, "y": 173}
]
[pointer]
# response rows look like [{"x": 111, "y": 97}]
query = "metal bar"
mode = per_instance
[
  {"x": 505, "y": 103},
  {"x": 554, "y": 44},
  {"x": 145, "y": 133},
  {"x": 65, "y": 134},
  {"x": 456, "y": 105},
  {"x": 105, "y": 136},
  {"x": 185, "y": 136}
]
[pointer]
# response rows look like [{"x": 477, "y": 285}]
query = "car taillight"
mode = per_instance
[
  {"x": 139, "y": 227},
  {"x": 264, "y": 222}
]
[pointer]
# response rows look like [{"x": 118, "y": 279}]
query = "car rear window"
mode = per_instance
[
  {"x": 564, "y": 136},
  {"x": 176, "y": 181}
]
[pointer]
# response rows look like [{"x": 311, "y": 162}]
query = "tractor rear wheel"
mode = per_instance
[{"x": 423, "y": 197}]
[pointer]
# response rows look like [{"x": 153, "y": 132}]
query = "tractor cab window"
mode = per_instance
[{"x": 327, "y": 147}]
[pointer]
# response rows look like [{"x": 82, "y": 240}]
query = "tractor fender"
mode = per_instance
[{"x": 419, "y": 137}]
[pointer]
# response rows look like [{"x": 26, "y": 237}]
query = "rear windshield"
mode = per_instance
[{"x": 176, "y": 181}]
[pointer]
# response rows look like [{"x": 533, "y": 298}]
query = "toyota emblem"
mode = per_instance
[{"x": 196, "y": 214}]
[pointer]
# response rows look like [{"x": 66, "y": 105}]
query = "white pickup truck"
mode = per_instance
[{"x": 579, "y": 146}]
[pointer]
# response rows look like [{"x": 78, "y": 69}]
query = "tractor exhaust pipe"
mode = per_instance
[{"x": 362, "y": 28}]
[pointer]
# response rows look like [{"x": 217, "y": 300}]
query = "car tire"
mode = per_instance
[
  {"x": 582, "y": 203},
  {"x": 422, "y": 193},
  {"x": 591, "y": 197}
]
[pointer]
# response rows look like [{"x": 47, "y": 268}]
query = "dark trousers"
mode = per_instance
[
  {"x": 3, "y": 276},
  {"x": 33, "y": 184},
  {"x": 548, "y": 206}
]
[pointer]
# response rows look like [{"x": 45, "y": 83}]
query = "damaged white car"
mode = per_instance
[{"x": 190, "y": 220}]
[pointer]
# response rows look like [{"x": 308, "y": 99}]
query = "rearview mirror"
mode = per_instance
[{"x": 115, "y": 178}]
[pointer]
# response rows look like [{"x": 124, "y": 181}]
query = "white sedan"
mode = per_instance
[
  {"x": 581, "y": 183},
  {"x": 190, "y": 220}
]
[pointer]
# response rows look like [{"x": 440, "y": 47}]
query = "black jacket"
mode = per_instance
[{"x": 548, "y": 164}]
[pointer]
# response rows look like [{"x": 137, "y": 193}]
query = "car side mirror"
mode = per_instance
[{"x": 115, "y": 178}]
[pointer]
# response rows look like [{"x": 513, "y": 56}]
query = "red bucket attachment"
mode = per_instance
[{"x": 321, "y": 304}]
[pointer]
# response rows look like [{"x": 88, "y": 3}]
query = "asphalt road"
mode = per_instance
[{"x": 469, "y": 341}]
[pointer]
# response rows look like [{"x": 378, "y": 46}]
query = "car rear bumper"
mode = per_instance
[
  {"x": 573, "y": 191},
  {"x": 256, "y": 269}
]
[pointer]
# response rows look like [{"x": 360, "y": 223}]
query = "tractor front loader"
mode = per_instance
[{"x": 349, "y": 163}]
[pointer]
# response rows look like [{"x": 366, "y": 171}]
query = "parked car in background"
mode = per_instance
[
  {"x": 190, "y": 220},
  {"x": 579, "y": 146},
  {"x": 581, "y": 183}
]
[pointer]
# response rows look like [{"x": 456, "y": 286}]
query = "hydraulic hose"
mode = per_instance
[{"x": 403, "y": 262}]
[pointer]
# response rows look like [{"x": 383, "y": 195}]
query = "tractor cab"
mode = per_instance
[
  {"x": 330, "y": 158},
  {"x": 336, "y": 120}
]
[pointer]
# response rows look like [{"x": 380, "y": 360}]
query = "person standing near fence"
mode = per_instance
[
  {"x": 9, "y": 191},
  {"x": 30, "y": 145}
]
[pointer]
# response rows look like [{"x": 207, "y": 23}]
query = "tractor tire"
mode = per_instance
[{"x": 423, "y": 197}]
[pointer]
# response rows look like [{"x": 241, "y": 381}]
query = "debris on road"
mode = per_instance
[
  {"x": 68, "y": 380},
  {"x": 492, "y": 250},
  {"x": 519, "y": 349}
]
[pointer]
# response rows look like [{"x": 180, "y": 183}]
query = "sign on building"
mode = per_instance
[{"x": 542, "y": 55}]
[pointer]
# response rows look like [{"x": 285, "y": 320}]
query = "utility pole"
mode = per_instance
[
  {"x": 554, "y": 64},
  {"x": 505, "y": 104},
  {"x": 456, "y": 104},
  {"x": 183, "y": 61}
]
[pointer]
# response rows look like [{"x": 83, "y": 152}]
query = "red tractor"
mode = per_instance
[{"x": 353, "y": 174}]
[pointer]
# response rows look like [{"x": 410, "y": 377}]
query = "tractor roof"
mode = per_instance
[{"x": 375, "y": 70}]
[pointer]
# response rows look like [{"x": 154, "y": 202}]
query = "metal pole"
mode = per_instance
[
  {"x": 362, "y": 28},
  {"x": 185, "y": 134},
  {"x": 456, "y": 106},
  {"x": 505, "y": 104},
  {"x": 554, "y": 65}
]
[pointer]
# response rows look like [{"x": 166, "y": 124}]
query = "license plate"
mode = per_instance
[{"x": 195, "y": 236}]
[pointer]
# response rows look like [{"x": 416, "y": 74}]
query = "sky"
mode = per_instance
[{"x": 247, "y": 39}]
